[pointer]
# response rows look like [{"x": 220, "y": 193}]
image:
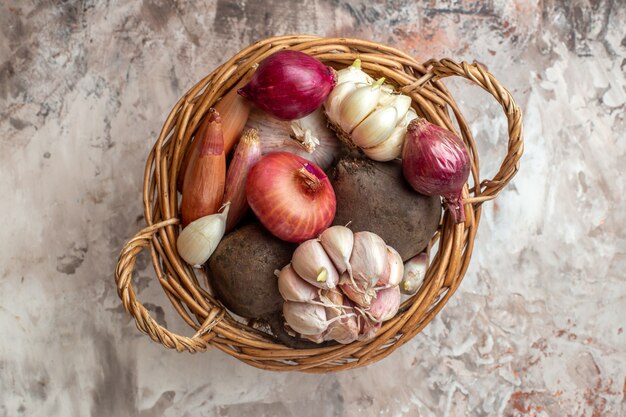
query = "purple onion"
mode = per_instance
[
  {"x": 435, "y": 161},
  {"x": 289, "y": 85}
]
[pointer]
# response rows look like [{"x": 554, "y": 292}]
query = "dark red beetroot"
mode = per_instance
[{"x": 290, "y": 85}]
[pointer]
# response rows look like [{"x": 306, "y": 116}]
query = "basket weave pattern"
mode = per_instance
[{"x": 213, "y": 325}]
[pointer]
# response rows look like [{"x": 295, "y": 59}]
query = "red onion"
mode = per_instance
[
  {"x": 289, "y": 85},
  {"x": 435, "y": 162},
  {"x": 291, "y": 196}
]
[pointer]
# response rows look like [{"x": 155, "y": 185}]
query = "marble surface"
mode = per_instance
[{"x": 537, "y": 326}]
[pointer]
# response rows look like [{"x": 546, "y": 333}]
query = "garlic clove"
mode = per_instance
[
  {"x": 392, "y": 147},
  {"x": 396, "y": 269},
  {"x": 357, "y": 106},
  {"x": 359, "y": 291},
  {"x": 389, "y": 149},
  {"x": 376, "y": 128},
  {"x": 294, "y": 288},
  {"x": 402, "y": 104},
  {"x": 385, "y": 305},
  {"x": 353, "y": 74},
  {"x": 197, "y": 242},
  {"x": 336, "y": 97},
  {"x": 414, "y": 274},
  {"x": 369, "y": 258},
  {"x": 344, "y": 330},
  {"x": 367, "y": 329},
  {"x": 311, "y": 262},
  {"x": 306, "y": 319},
  {"x": 338, "y": 241},
  {"x": 315, "y": 338}
]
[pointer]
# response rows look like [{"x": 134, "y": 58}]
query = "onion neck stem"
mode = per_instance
[
  {"x": 309, "y": 179},
  {"x": 454, "y": 204}
]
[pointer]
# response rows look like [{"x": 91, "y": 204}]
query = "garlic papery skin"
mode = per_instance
[
  {"x": 379, "y": 129},
  {"x": 369, "y": 258},
  {"x": 306, "y": 319},
  {"x": 309, "y": 137},
  {"x": 358, "y": 291},
  {"x": 367, "y": 328},
  {"x": 197, "y": 242},
  {"x": 338, "y": 242},
  {"x": 311, "y": 262},
  {"x": 294, "y": 288},
  {"x": 414, "y": 274}
]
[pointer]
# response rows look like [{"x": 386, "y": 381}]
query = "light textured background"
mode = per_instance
[{"x": 536, "y": 328}]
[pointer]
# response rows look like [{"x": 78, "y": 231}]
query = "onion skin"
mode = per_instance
[
  {"x": 247, "y": 153},
  {"x": 291, "y": 196},
  {"x": 234, "y": 111},
  {"x": 435, "y": 161},
  {"x": 203, "y": 186},
  {"x": 289, "y": 85}
]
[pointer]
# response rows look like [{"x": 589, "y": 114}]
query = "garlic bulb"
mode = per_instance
[
  {"x": 369, "y": 114},
  {"x": 352, "y": 304},
  {"x": 309, "y": 137},
  {"x": 197, "y": 242}
]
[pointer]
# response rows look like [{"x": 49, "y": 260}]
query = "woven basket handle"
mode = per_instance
[
  {"x": 145, "y": 323},
  {"x": 476, "y": 73}
]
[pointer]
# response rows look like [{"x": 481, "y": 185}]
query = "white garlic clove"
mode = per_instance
[
  {"x": 357, "y": 106},
  {"x": 197, "y": 242},
  {"x": 336, "y": 97},
  {"x": 294, "y": 288},
  {"x": 385, "y": 305},
  {"x": 338, "y": 241},
  {"x": 392, "y": 147},
  {"x": 353, "y": 74},
  {"x": 369, "y": 258},
  {"x": 402, "y": 104},
  {"x": 311, "y": 262},
  {"x": 389, "y": 149},
  {"x": 376, "y": 128},
  {"x": 396, "y": 269},
  {"x": 306, "y": 319},
  {"x": 410, "y": 115},
  {"x": 414, "y": 274}
]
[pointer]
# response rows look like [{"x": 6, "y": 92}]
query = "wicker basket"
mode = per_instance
[{"x": 213, "y": 325}]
